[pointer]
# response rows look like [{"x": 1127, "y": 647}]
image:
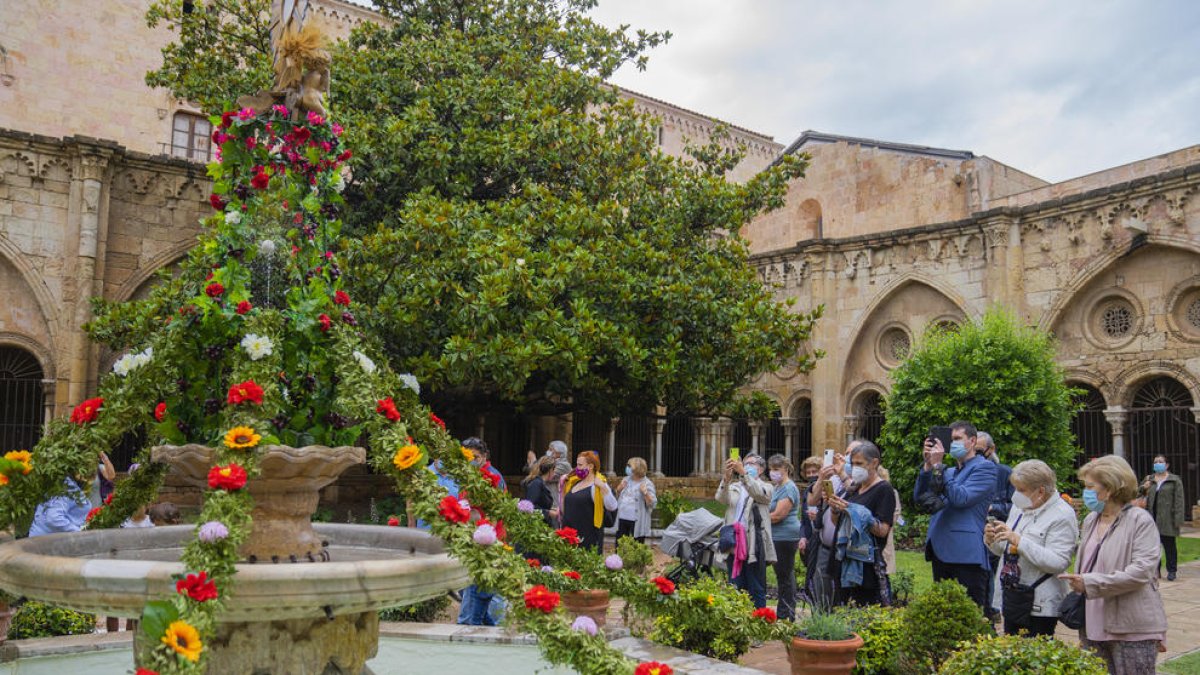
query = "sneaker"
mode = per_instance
[{"x": 1170, "y": 576}]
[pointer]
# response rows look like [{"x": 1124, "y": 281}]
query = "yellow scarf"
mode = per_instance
[{"x": 597, "y": 497}]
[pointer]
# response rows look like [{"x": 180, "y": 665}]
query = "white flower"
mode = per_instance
[
  {"x": 266, "y": 247},
  {"x": 257, "y": 346},
  {"x": 339, "y": 182},
  {"x": 409, "y": 380},
  {"x": 520, "y": 262},
  {"x": 365, "y": 361},
  {"x": 131, "y": 362},
  {"x": 233, "y": 217}
]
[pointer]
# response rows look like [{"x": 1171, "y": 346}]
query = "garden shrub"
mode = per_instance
[
  {"x": 425, "y": 611},
  {"x": 38, "y": 620},
  {"x": 934, "y": 623},
  {"x": 704, "y": 632},
  {"x": 671, "y": 504},
  {"x": 911, "y": 535},
  {"x": 882, "y": 631},
  {"x": 1016, "y": 654},
  {"x": 903, "y": 583},
  {"x": 635, "y": 556}
]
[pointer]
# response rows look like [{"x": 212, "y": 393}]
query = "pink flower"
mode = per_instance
[
  {"x": 281, "y": 109},
  {"x": 585, "y": 624},
  {"x": 525, "y": 506},
  {"x": 246, "y": 114},
  {"x": 485, "y": 535},
  {"x": 614, "y": 562},
  {"x": 337, "y": 129},
  {"x": 315, "y": 119}
]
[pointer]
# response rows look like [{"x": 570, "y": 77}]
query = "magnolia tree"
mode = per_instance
[
  {"x": 519, "y": 239},
  {"x": 996, "y": 373}
]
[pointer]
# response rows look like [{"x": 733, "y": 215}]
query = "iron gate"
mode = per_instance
[
  {"x": 1161, "y": 423},
  {"x": 22, "y": 400},
  {"x": 870, "y": 416},
  {"x": 1091, "y": 429}
]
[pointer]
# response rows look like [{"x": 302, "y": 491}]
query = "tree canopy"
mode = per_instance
[
  {"x": 995, "y": 373},
  {"x": 517, "y": 232}
]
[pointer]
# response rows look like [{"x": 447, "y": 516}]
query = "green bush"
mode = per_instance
[
  {"x": 934, "y": 623},
  {"x": 829, "y": 627},
  {"x": 635, "y": 557},
  {"x": 1015, "y": 654},
  {"x": 721, "y": 635},
  {"x": 425, "y": 611},
  {"x": 996, "y": 373},
  {"x": 671, "y": 504},
  {"x": 37, "y": 620},
  {"x": 911, "y": 535},
  {"x": 903, "y": 583},
  {"x": 882, "y": 631}
]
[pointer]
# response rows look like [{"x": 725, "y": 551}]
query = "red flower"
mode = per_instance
[
  {"x": 87, "y": 411},
  {"x": 437, "y": 420},
  {"x": 453, "y": 511},
  {"x": 243, "y": 307},
  {"x": 260, "y": 180},
  {"x": 324, "y": 322},
  {"x": 108, "y": 499},
  {"x": 246, "y": 392},
  {"x": 227, "y": 118},
  {"x": 301, "y": 135},
  {"x": 160, "y": 410},
  {"x": 145, "y": 671},
  {"x": 393, "y": 521},
  {"x": 345, "y": 156},
  {"x": 490, "y": 476},
  {"x": 229, "y": 477},
  {"x": 214, "y": 290},
  {"x": 197, "y": 587},
  {"x": 216, "y": 202},
  {"x": 541, "y": 599},
  {"x": 665, "y": 585},
  {"x": 341, "y": 298},
  {"x": 572, "y": 574},
  {"x": 534, "y": 563},
  {"x": 387, "y": 408},
  {"x": 652, "y": 668},
  {"x": 92, "y": 514},
  {"x": 766, "y": 614},
  {"x": 570, "y": 534}
]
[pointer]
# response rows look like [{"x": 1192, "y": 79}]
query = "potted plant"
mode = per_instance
[
  {"x": 578, "y": 598},
  {"x": 824, "y": 645}
]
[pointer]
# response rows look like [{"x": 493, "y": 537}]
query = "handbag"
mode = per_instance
[
  {"x": 727, "y": 538},
  {"x": 1018, "y": 602},
  {"x": 1072, "y": 611}
]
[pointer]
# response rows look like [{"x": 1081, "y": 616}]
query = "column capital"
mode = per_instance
[
  {"x": 660, "y": 424},
  {"x": 788, "y": 423},
  {"x": 1117, "y": 416}
]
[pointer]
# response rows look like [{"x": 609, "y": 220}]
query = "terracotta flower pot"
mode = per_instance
[
  {"x": 592, "y": 603},
  {"x": 822, "y": 657}
]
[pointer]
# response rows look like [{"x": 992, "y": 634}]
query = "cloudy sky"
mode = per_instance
[{"x": 1057, "y": 89}]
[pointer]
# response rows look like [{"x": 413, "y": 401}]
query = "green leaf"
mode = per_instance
[{"x": 156, "y": 617}]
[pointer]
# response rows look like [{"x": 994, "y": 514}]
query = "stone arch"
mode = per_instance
[
  {"x": 1073, "y": 376},
  {"x": 864, "y": 405},
  {"x": 42, "y": 297},
  {"x": 44, "y": 356},
  {"x": 796, "y": 398},
  {"x": 891, "y": 292},
  {"x": 22, "y": 378},
  {"x": 146, "y": 272},
  {"x": 808, "y": 223},
  {"x": 1100, "y": 264},
  {"x": 1129, "y": 381}
]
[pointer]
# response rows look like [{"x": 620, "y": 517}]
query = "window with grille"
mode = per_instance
[{"x": 191, "y": 137}]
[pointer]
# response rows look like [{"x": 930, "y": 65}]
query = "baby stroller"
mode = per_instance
[{"x": 693, "y": 539}]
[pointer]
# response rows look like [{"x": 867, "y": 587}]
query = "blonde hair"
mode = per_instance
[
  {"x": 1113, "y": 474},
  {"x": 639, "y": 466},
  {"x": 811, "y": 462},
  {"x": 1034, "y": 473}
]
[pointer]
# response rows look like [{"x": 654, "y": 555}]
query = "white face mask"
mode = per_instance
[
  {"x": 859, "y": 474},
  {"x": 1022, "y": 501}
]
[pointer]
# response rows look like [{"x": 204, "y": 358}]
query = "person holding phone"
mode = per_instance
[
  {"x": 819, "y": 583},
  {"x": 954, "y": 543},
  {"x": 875, "y": 501},
  {"x": 747, "y": 501}
]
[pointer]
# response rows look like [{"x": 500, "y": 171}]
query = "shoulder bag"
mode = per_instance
[{"x": 1072, "y": 612}]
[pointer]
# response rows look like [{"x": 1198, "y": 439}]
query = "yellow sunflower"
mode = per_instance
[
  {"x": 184, "y": 639},
  {"x": 241, "y": 437},
  {"x": 23, "y": 456},
  {"x": 406, "y": 457},
  {"x": 468, "y": 454}
]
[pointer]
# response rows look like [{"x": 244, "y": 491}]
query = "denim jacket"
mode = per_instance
[{"x": 855, "y": 544}]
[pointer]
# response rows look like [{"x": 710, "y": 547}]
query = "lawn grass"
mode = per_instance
[
  {"x": 1189, "y": 548},
  {"x": 1188, "y": 664}
]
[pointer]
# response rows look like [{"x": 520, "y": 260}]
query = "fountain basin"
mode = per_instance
[{"x": 115, "y": 572}]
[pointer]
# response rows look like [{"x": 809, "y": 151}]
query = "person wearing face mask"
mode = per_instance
[
  {"x": 1035, "y": 545},
  {"x": 747, "y": 503},
  {"x": 1001, "y": 502},
  {"x": 954, "y": 542},
  {"x": 586, "y": 497},
  {"x": 1115, "y": 570},
  {"x": 636, "y": 498},
  {"x": 869, "y": 509},
  {"x": 785, "y": 532},
  {"x": 819, "y": 586},
  {"x": 1162, "y": 496}
]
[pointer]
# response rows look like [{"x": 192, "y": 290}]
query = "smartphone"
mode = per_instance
[
  {"x": 735, "y": 453},
  {"x": 992, "y": 520},
  {"x": 828, "y": 461},
  {"x": 942, "y": 434},
  {"x": 827, "y": 486}
]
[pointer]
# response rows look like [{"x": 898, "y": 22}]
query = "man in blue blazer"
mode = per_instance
[{"x": 954, "y": 543}]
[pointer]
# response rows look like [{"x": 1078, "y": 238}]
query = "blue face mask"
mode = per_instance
[
  {"x": 958, "y": 450},
  {"x": 1091, "y": 501},
  {"x": 1160, "y": 467},
  {"x": 752, "y": 471},
  {"x": 629, "y": 471}
]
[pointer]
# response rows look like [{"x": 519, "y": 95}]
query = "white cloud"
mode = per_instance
[{"x": 1055, "y": 89}]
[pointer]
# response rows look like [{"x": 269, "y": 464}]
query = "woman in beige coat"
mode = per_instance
[
  {"x": 744, "y": 495},
  {"x": 1116, "y": 566}
]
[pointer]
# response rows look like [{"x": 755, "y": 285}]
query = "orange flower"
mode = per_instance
[
  {"x": 24, "y": 457},
  {"x": 406, "y": 457},
  {"x": 467, "y": 454},
  {"x": 241, "y": 437},
  {"x": 184, "y": 639}
]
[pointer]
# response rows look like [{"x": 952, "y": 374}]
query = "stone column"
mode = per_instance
[
  {"x": 700, "y": 426},
  {"x": 851, "y": 427},
  {"x": 48, "y": 394},
  {"x": 789, "y": 439},
  {"x": 755, "y": 429},
  {"x": 612, "y": 443},
  {"x": 87, "y": 209},
  {"x": 659, "y": 425},
  {"x": 1117, "y": 416}
]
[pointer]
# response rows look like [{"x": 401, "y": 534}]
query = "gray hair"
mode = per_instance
[
  {"x": 868, "y": 450},
  {"x": 559, "y": 448},
  {"x": 1034, "y": 473},
  {"x": 984, "y": 440}
]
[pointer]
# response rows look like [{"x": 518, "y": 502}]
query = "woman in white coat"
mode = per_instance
[{"x": 1034, "y": 546}]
